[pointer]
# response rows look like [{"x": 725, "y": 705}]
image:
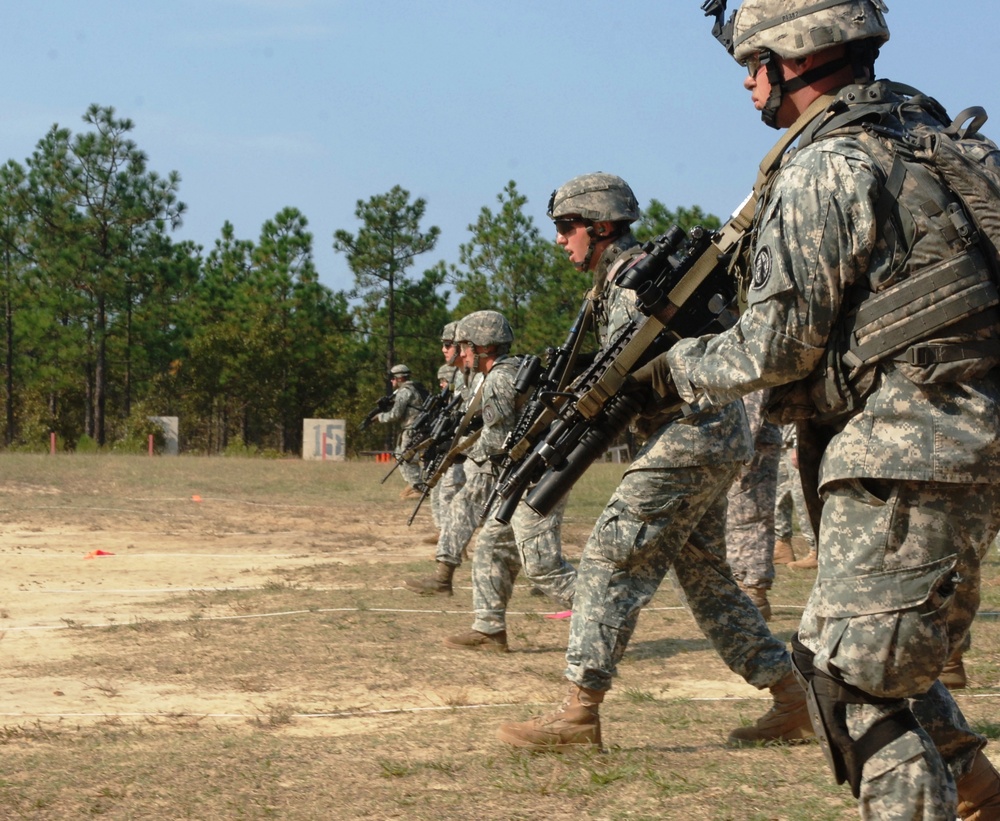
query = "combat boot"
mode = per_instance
[
  {"x": 575, "y": 724},
  {"x": 979, "y": 791},
  {"x": 783, "y": 553},
  {"x": 439, "y": 585},
  {"x": 953, "y": 673},
  {"x": 474, "y": 640},
  {"x": 409, "y": 492},
  {"x": 808, "y": 562},
  {"x": 758, "y": 595},
  {"x": 786, "y": 722}
]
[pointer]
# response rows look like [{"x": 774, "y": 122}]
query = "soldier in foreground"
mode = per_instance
[
  {"x": 858, "y": 227},
  {"x": 667, "y": 513}
]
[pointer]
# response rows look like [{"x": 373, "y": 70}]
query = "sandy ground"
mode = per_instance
[{"x": 55, "y": 582}]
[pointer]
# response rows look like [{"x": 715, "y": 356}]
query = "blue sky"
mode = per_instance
[{"x": 262, "y": 104}]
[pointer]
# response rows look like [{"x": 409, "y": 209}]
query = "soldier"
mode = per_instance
[
  {"x": 529, "y": 541},
  {"x": 750, "y": 509},
  {"x": 407, "y": 399},
  {"x": 790, "y": 507},
  {"x": 846, "y": 232},
  {"x": 486, "y": 337},
  {"x": 449, "y": 376},
  {"x": 667, "y": 513}
]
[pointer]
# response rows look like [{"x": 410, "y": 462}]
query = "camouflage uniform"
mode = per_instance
[
  {"x": 406, "y": 404},
  {"x": 789, "y": 500},
  {"x": 451, "y": 482},
  {"x": 750, "y": 503},
  {"x": 668, "y": 512},
  {"x": 909, "y": 477},
  {"x": 529, "y": 540}
]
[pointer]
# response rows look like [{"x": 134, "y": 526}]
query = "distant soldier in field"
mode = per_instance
[{"x": 407, "y": 399}]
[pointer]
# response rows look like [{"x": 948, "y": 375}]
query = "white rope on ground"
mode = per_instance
[
  {"x": 400, "y": 710},
  {"x": 284, "y": 613}
]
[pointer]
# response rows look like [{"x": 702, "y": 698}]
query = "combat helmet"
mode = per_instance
[
  {"x": 399, "y": 370},
  {"x": 796, "y": 28},
  {"x": 446, "y": 373},
  {"x": 485, "y": 328},
  {"x": 596, "y": 197},
  {"x": 448, "y": 332}
]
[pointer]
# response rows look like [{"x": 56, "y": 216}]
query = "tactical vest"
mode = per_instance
[{"x": 929, "y": 308}]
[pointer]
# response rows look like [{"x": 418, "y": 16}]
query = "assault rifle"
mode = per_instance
[
  {"x": 537, "y": 415},
  {"x": 683, "y": 288},
  {"x": 420, "y": 430},
  {"x": 451, "y": 435},
  {"x": 383, "y": 404}
]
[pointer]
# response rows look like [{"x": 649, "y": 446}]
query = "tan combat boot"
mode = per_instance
[
  {"x": 575, "y": 724},
  {"x": 439, "y": 585},
  {"x": 474, "y": 640},
  {"x": 758, "y": 595},
  {"x": 787, "y": 721},
  {"x": 808, "y": 562},
  {"x": 979, "y": 791},
  {"x": 953, "y": 673},
  {"x": 783, "y": 553}
]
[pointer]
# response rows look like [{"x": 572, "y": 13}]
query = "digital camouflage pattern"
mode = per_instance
[
  {"x": 406, "y": 405},
  {"x": 667, "y": 513},
  {"x": 750, "y": 527},
  {"x": 795, "y": 28},
  {"x": 790, "y": 502},
  {"x": 909, "y": 476},
  {"x": 444, "y": 491},
  {"x": 498, "y": 398},
  {"x": 597, "y": 197}
]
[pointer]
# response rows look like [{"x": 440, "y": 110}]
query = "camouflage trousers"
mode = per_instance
[
  {"x": 750, "y": 518},
  {"x": 897, "y": 589},
  {"x": 531, "y": 542},
  {"x": 444, "y": 491},
  {"x": 658, "y": 520},
  {"x": 410, "y": 471},
  {"x": 464, "y": 515},
  {"x": 789, "y": 502}
]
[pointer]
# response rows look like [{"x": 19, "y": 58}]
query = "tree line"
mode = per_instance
[{"x": 108, "y": 321}]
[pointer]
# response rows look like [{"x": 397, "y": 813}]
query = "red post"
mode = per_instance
[
  {"x": 323, "y": 457},
  {"x": 150, "y": 444},
  {"x": 52, "y": 443}
]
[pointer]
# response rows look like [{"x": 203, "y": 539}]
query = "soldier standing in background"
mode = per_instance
[
  {"x": 750, "y": 509},
  {"x": 407, "y": 400}
]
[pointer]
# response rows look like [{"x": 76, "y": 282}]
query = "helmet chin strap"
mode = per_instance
[{"x": 780, "y": 86}]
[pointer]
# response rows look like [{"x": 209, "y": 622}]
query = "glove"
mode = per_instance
[{"x": 656, "y": 375}]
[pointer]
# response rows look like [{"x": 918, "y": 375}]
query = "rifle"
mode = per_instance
[
  {"x": 383, "y": 404},
  {"x": 459, "y": 431},
  {"x": 683, "y": 288},
  {"x": 537, "y": 415},
  {"x": 419, "y": 432}
]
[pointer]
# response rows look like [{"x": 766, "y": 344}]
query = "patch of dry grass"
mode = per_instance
[{"x": 358, "y": 711}]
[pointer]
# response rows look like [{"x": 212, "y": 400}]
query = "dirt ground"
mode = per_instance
[{"x": 74, "y": 561}]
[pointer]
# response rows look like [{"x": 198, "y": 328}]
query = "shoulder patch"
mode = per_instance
[
  {"x": 761, "y": 268},
  {"x": 489, "y": 415}
]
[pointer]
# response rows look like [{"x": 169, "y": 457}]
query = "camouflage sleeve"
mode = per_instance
[
  {"x": 499, "y": 397},
  {"x": 400, "y": 403},
  {"x": 814, "y": 237}
]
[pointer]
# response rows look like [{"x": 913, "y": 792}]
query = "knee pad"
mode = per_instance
[{"x": 828, "y": 698}]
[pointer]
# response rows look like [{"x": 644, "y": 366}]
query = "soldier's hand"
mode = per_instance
[{"x": 656, "y": 375}]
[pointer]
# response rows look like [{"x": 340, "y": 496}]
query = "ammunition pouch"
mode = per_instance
[{"x": 827, "y": 699}]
